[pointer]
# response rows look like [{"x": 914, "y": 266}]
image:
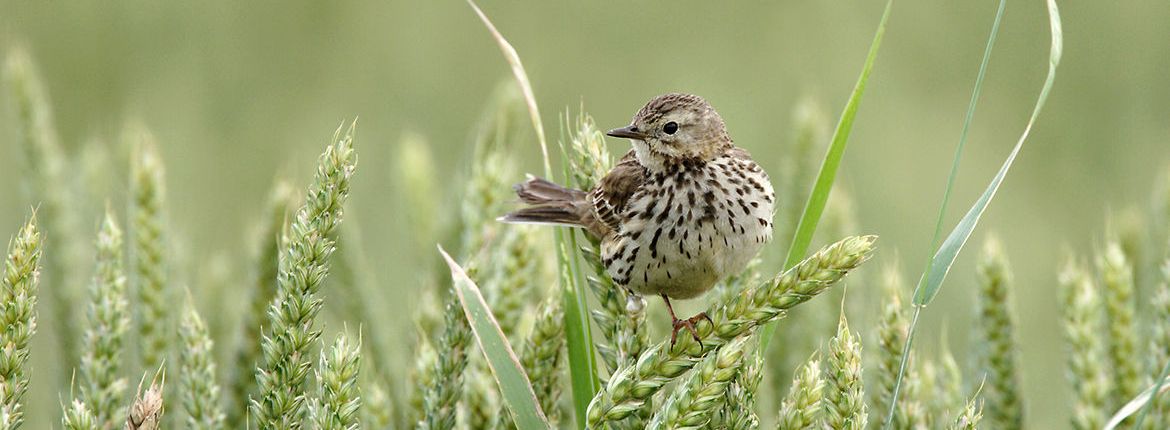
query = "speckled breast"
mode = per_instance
[{"x": 691, "y": 226}]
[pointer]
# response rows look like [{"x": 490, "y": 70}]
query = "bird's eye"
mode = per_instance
[{"x": 670, "y": 127}]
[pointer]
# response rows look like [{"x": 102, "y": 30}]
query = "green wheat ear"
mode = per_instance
[
  {"x": 304, "y": 264},
  {"x": 107, "y": 320},
  {"x": 18, "y": 319},
  {"x": 199, "y": 392},
  {"x": 441, "y": 400},
  {"x": 45, "y": 182},
  {"x": 844, "y": 399},
  {"x": 697, "y": 398},
  {"x": 1160, "y": 347},
  {"x": 891, "y": 340},
  {"x": 543, "y": 358},
  {"x": 1117, "y": 278},
  {"x": 338, "y": 405},
  {"x": 631, "y": 386},
  {"x": 148, "y": 249},
  {"x": 78, "y": 417},
  {"x": 802, "y": 408},
  {"x": 1082, "y": 326},
  {"x": 996, "y": 331},
  {"x": 263, "y": 271}
]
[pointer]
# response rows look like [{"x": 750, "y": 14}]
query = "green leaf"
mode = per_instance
[
  {"x": 936, "y": 272},
  {"x": 815, "y": 206},
  {"x": 1149, "y": 399},
  {"x": 513, "y": 382},
  {"x": 1143, "y": 401},
  {"x": 940, "y": 265},
  {"x": 582, "y": 359}
]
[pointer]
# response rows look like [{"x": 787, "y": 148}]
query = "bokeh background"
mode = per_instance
[{"x": 238, "y": 93}]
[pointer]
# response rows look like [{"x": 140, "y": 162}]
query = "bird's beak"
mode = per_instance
[{"x": 628, "y": 132}]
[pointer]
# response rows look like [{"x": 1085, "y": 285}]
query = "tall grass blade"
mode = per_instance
[
  {"x": 514, "y": 384},
  {"x": 815, "y": 205},
  {"x": 521, "y": 80},
  {"x": 945, "y": 257},
  {"x": 1142, "y": 401},
  {"x": 1149, "y": 403},
  {"x": 582, "y": 361},
  {"x": 940, "y": 264}
]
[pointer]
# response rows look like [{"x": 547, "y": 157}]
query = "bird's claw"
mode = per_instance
[{"x": 689, "y": 324}]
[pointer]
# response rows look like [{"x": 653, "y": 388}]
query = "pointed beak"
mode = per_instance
[{"x": 628, "y": 132}]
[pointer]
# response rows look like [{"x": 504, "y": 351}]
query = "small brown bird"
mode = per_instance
[{"x": 679, "y": 212}]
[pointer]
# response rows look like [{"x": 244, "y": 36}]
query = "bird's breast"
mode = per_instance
[{"x": 688, "y": 228}]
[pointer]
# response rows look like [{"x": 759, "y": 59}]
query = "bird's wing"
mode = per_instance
[{"x": 611, "y": 195}]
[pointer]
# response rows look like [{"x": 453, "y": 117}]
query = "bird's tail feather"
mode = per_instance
[{"x": 549, "y": 204}]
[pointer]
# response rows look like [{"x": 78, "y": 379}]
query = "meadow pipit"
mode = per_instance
[{"x": 679, "y": 212}]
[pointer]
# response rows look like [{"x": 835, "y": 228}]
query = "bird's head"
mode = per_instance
[{"x": 675, "y": 127}]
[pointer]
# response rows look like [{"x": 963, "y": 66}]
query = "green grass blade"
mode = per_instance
[
  {"x": 1153, "y": 398},
  {"x": 940, "y": 264},
  {"x": 521, "y": 76},
  {"x": 506, "y": 368},
  {"x": 582, "y": 356},
  {"x": 1142, "y": 401},
  {"x": 582, "y": 359},
  {"x": 815, "y": 206},
  {"x": 945, "y": 257}
]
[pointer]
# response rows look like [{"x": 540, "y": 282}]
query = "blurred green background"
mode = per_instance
[{"x": 237, "y": 93}]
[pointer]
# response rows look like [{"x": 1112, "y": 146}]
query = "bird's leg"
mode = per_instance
[{"x": 679, "y": 324}]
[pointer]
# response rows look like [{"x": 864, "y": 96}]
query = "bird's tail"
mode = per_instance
[{"x": 551, "y": 204}]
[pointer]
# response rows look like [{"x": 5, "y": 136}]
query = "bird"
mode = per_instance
[{"x": 683, "y": 209}]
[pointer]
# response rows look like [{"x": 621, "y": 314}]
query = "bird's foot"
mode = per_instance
[{"x": 689, "y": 324}]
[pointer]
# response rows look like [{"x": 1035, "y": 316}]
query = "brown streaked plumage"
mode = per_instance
[{"x": 679, "y": 212}]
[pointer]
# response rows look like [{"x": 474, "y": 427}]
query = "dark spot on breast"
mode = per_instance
[{"x": 654, "y": 243}]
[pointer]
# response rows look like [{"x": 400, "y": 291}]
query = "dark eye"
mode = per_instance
[{"x": 670, "y": 127}]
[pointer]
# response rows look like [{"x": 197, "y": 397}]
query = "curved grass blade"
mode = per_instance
[
  {"x": 513, "y": 58},
  {"x": 1149, "y": 401},
  {"x": 940, "y": 265},
  {"x": 931, "y": 281},
  {"x": 582, "y": 358},
  {"x": 514, "y": 384},
  {"x": 815, "y": 205}
]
